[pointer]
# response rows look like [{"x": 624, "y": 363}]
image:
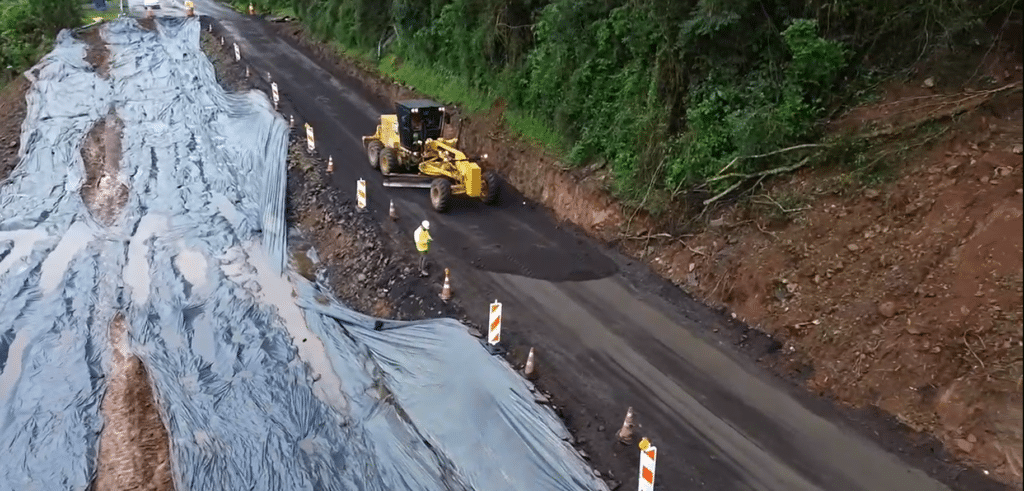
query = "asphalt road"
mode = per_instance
[{"x": 603, "y": 334}]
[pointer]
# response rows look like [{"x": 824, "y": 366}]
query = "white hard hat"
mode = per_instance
[{"x": 426, "y": 225}]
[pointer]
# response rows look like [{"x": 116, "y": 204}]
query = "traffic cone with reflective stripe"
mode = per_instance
[
  {"x": 626, "y": 432},
  {"x": 531, "y": 369},
  {"x": 446, "y": 290}
]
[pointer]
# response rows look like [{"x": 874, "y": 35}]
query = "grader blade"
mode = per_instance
[{"x": 407, "y": 181}]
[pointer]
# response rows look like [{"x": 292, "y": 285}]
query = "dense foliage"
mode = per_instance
[
  {"x": 663, "y": 91},
  {"x": 27, "y": 26}
]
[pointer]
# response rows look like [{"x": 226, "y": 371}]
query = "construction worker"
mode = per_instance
[{"x": 423, "y": 240}]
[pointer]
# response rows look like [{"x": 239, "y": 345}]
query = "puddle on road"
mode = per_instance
[
  {"x": 136, "y": 272},
  {"x": 192, "y": 265},
  {"x": 24, "y": 242},
  {"x": 134, "y": 448},
  {"x": 55, "y": 267}
]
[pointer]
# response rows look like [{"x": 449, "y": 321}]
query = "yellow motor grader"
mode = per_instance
[{"x": 410, "y": 151}]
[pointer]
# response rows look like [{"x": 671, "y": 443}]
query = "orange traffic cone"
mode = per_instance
[
  {"x": 531, "y": 369},
  {"x": 626, "y": 432},
  {"x": 330, "y": 163},
  {"x": 446, "y": 290}
]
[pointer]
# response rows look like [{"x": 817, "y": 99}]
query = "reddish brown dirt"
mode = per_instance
[
  {"x": 134, "y": 452},
  {"x": 97, "y": 53},
  {"x": 905, "y": 295},
  {"x": 12, "y": 113},
  {"x": 101, "y": 152}
]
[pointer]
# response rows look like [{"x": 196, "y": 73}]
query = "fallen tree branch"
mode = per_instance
[
  {"x": 776, "y": 203},
  {"x": 961, "y": 106},
  {"x": 719, "y": 175},
  {"x": 762, "y": 174},
  {"x": 648, "y": 236}
]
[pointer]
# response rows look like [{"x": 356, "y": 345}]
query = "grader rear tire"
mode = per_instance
[
  {"x": 441, "y": 194},
  {"x": 491, "y": 187},
  {"x": 388, "y": 161},
  {"x": 373, "y": 153}
]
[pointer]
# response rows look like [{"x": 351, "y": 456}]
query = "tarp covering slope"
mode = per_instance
[{"x": 263, "y": 380}]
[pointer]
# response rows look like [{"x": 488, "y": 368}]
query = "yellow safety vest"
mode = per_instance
[{"x": 422, "y": 239}]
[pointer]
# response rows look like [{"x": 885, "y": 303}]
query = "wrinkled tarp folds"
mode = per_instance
[{"x": 263, "y": 380}]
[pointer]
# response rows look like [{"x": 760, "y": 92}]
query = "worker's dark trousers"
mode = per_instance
[{"x": 423, "y": 261}]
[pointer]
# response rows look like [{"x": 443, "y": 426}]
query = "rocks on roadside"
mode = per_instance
[{"x": 887, "y": 309}]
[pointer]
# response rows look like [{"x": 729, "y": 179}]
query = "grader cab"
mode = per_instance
[{"x": 410, "y": 151}]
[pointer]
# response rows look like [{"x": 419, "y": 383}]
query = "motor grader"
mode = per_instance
[{"x": 410, "y": 151}]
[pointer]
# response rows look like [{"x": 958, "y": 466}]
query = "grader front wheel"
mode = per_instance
[
  {"x": 388, "y": 161},
  {"x": 373, "y": 153},
  {"x": 441, "y": 194},
  {"x": 490, "y": 188}
]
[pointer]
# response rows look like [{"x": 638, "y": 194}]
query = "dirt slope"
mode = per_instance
[{"x": 12, "y": 113}]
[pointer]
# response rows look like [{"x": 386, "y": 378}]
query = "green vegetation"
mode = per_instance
[
  {"x": 27, "y": 27},
  {"x": 667, "y": 93}
]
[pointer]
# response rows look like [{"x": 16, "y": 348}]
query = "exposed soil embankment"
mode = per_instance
[{"x": 12, "y": 113}]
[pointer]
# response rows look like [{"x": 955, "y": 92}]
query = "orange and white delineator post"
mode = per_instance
[
  {"x": 274, "y": 93},
  {"x": 361, "y": 194},
  {"x": 309, "y": 138},
  {"x": 648, "y": 457},
  {"x": 238, "y": 53},
  {"x": 330, "y": 163},
  {"x": 494, "y": 324}
]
